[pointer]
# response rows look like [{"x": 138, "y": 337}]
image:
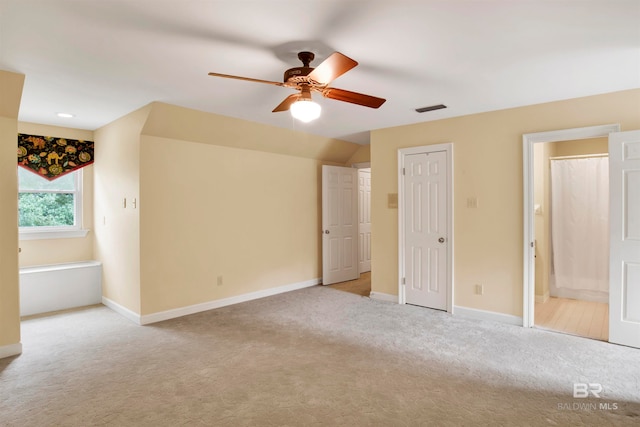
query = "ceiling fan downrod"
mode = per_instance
[{"x": 306, "y": 58}]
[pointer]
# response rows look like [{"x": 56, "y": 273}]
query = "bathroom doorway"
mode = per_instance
[{"x": 571, "y": 184}]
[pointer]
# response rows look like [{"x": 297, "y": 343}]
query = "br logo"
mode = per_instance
[{"x": 583, "y": 390}]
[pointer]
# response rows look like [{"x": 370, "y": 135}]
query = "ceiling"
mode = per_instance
[{"x": 100, "y": 60}]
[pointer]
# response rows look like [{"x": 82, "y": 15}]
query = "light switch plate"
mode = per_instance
[{"x": 392, "y": 200}]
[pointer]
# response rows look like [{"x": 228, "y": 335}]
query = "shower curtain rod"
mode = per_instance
[{"x": 581, "y": 156}]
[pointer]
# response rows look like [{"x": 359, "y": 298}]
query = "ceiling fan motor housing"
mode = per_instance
[
  {"x": 305, "y": 58},
  {"x": 292, "y": 73}
]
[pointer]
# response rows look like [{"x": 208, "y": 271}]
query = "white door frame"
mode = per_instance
[
  {"x": 529, "y": 233},
  {"x": 362, "y": 165},
  {"x": 402, "y": 153}
]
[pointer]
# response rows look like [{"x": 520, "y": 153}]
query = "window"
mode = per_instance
[{"x": 49, "y": 209}]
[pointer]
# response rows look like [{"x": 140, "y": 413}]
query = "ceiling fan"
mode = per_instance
[{"x": 306, "y": 79}]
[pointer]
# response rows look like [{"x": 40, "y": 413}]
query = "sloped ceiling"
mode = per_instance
[{"x": 100, "y": 60}]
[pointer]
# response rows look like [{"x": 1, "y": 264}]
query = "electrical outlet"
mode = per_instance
[
  {"x": 219, "y": 280},
  {"x": 479, "y": 289}
]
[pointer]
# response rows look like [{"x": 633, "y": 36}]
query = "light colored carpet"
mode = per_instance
[{"x": 311, "y": 357}]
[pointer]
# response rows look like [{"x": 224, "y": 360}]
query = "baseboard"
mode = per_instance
[
  {"x": 10, "y": 350},
  {"x": 210, "y": 305},
  {"x": 121, "y": 310},
  {"x": 474, "y": 313},
  {"x": 542, "y": 298},
  {"x": 379, "y": 296},
  {"x": 584, "y": 295}
]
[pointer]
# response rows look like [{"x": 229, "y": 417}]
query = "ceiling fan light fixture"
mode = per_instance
[{"x": 305, "y": 110}]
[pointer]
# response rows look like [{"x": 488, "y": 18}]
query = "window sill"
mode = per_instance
[{"x": 52, "y": 234}]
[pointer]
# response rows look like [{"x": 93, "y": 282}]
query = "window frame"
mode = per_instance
[{"x": 62, "y": 231}]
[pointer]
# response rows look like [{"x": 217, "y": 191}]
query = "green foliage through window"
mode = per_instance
[
  {"x": 45, "y": 203},
  {"x": 45, "y": 209}
]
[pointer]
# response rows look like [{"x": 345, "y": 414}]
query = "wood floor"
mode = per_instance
[
  {"x": 359, "y": 286},
  {"x": 570, "y": 316},
  {"x": 575, "y": 317}
]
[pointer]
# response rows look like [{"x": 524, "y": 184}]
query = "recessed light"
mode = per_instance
[{"x": 65, "y": 115}]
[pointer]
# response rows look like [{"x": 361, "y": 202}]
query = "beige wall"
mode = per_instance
[
  {"x": 580, "y": 147},
  {"x": 488, "y": 166},
  {"x": 248, "y": 216},
  {"x": 231, "y": 198},
  {"x": 11, "y": 89},
  {"x": 363, "y": 155},
  {"x": 216, "y": 196},
  {"x": 52, "y": 251},
  {"x": 117, "y": 228}
]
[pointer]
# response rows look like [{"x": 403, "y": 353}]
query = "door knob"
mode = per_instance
[
  {"x": 326, "y": 231},
  {"x": 441, "y": 240}
]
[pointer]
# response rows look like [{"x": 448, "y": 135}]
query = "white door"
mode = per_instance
[
  {"x": 624, "y": 267},
  {"x": 364, "y": 220},
  {"x": 425, "y": 222},
  {"x": 339, "y": 224}
]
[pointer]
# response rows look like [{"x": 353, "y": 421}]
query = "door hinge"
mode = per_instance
[
  {"x": 404, "y": 281},
  {"x": 403, "y": 171},
  {"x": 531, "y": 244}
]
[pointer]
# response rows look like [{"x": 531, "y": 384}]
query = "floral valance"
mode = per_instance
[{"x": 52, "y": 157}]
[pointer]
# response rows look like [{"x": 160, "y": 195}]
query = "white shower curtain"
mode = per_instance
[{"x": 580, "y": 228}]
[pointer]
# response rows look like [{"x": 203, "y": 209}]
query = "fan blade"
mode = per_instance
[
  {"x": 353, "y": 97},
  {"x": 331, "y": 68},
  {"x": 284, "y": 105},
  {"x": 228, "y": 76}
]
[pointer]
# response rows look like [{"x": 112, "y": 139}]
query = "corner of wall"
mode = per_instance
[
  {"x": 11, "y": 85},
  {"x": 362, "y": 155},
  {"x": 116, "y": 207}
]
